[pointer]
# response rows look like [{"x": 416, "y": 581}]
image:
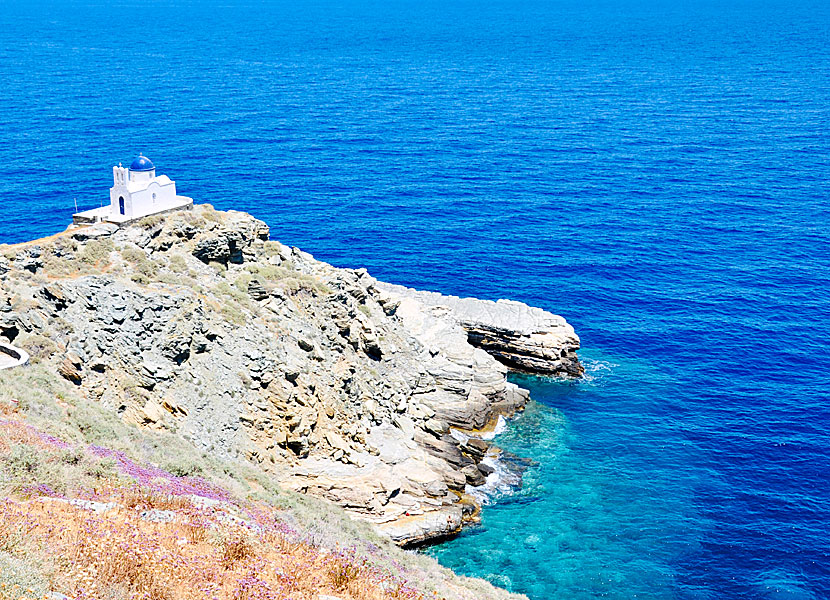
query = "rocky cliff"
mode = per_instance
[{"x": 335, "y": 384}]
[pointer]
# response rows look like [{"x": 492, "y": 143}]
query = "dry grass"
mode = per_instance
[
  {"x": 119, "y": 553},
  {"x": 150, "y": 535},
  {"x": 235, "y": 548},
  {"x": 289, "y": 279},
  {"x": 142, "y": 498},
  {"x": 144, "y": 269},
  {"x": 248, "y": 539}
]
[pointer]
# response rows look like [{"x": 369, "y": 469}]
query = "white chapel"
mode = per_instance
[{"x": 136, "y": 192}]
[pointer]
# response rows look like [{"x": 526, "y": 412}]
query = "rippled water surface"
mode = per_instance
[{"x": 658, "y": 172}]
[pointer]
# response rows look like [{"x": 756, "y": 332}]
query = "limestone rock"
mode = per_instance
[
  {"x": 412, "y": 530},
  {"x": 70, "y": 368},
  {"x": 365, "y": 394},
  {"x": 522, "y": 337},
  {"x": 99, "y": 230},
  {"x": 215, "y": 249},
  {"x": 29, "y": 259}
]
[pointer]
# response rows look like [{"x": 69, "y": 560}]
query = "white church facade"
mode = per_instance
[{"x": 136, "y": 192}]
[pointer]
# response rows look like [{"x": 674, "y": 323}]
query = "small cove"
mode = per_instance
[{"x": 603, "y": 510}]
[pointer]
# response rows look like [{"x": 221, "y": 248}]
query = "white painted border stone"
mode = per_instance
[{"x": 21, "y": 356}]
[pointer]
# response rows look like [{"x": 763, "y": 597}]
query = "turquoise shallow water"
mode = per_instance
[
  {"x": 606, "y": 506},
  {"x": 627, "y": 494},
  {"x": 656, "y": 171}
]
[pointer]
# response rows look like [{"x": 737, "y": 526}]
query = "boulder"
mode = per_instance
[
  {"x": 70, "y": 368},
  {"x": 214, "y": 249},
  {"x": 412, "y": 530}
]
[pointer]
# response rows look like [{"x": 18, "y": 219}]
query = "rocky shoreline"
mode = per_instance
[{"x": 335, "y": 384}]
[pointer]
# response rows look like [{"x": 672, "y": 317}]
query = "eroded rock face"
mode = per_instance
[
  {"x": 336, "y": 384},
  {"x": 522, "y": 337}
]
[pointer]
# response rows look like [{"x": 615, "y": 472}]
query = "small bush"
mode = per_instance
[
  {"x": 242, "y": 282},
  {"x": 222, "y": 288},
  {"x": 233, "y": 314},
  {"x": 101, "y": 469},
  {"x": 271, "y": 248},
  {"x": 97, "y": 252},
  {"x": 195, "y": 530},
  {"x": 344, "y": 568},
  {"x": 270, "y": 272},
  {"x": 34, "y": 388},
  {"x": 235, "y": 548},
  {"x": 290, "y": 279},
  {"x": 39, "y": 347},
  {"x": 20, "y": 578},
  {"x": 178, "y": 264},
  {"x": 58, "y": 260},
  {"x": 210, "y": 214},
  {"x": 151, "y": 221},
  {"x": 14, "y": 534},
  {"x": 185, "y": 467},
  {"x": 145, "y": 269},
  {"x": 23, "y": 463},
  {"x": 146, "y": 498},
  {"x": 72, "y": 456}
]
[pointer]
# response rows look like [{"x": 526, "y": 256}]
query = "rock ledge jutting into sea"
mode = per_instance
[
  {"x": 335, "y": 384},
  {"x": 524, "y": 338}
]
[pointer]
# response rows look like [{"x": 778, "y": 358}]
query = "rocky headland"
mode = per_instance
[{"x": 334, "y": 384}]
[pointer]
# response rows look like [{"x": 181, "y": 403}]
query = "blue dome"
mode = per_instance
[{"x": 142, "y": 163}]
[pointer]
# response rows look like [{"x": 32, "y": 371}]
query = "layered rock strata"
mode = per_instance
[
  {"x": 522, "y": 337},
  {"x": 334, "y": 383}
]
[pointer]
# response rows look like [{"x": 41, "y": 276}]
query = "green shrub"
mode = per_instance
[
  {"x": 39, "y": 347},
  {"x": 97, "y": 252},
  {"x": 23, "y": 463},
  {"x": 101, "y": 469},
  {"x": 186, "y": 466},
  {"x": 178, "y": 264},
  {"x": 35, "y": 389},
  {"x": 20, "y": 575},
  {"x": 144, "y": 268},
  {"x": 242, "y": 282},
  {"x": 72, "y": 456},
  {"x": 151, "y": 221}
]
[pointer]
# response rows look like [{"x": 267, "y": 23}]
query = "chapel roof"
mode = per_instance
[{"x": 142, "y": 163}]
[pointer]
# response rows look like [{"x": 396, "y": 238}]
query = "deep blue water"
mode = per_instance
[{"x": 657, "y": 171}]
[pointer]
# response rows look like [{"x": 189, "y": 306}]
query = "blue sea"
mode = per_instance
[{"x": 656, "y": 171}]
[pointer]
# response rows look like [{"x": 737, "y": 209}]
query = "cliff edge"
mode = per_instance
[{"x": 334, "y": 384}]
